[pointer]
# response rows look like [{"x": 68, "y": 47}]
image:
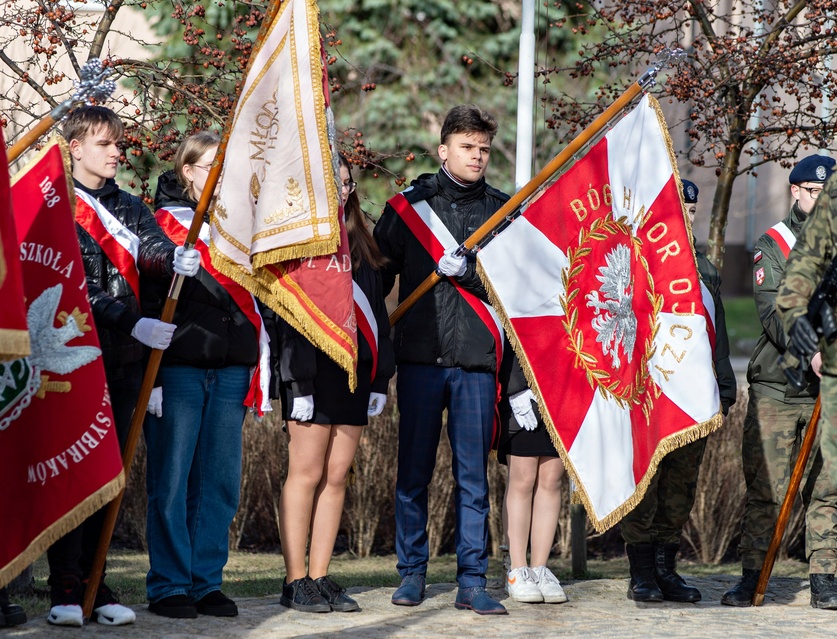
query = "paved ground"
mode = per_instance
[{"x": 597, "y": 608}]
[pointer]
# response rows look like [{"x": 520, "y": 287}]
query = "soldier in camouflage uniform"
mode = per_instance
[
  {"x": 652, "y": 530},
  {"x": 777, "y": 413},
  {"x": 816, "y": 247}
]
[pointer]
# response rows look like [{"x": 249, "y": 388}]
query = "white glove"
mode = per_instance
[
  {"x": 377, "y": 401},
  {"x": 153, "y": 333},
  {"x": 155, "y": 402},
  {"x": 452, "y": 266},
  {"x": 186, "y": 261},
  {"x": 303, "y": 408},
  {"x": 521, "y": 405}
]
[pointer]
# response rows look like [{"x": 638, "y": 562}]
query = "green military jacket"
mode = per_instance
[
  {"x": 727, "y": 386},
  {"x": 769, "y": 259},
  {"x": 814, "y": 251}
]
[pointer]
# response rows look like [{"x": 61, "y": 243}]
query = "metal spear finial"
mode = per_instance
[
  {"x": 94, "y": 83},
  {"x": 668, "y": 58}
]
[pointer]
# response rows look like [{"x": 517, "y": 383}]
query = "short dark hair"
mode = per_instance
[
  {"x": 468, "y": 118},
  {"x": 85, "y": 119}
]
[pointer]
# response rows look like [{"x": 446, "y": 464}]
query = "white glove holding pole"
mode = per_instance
[
  {"x": 452, "y": 265},
  {"x": 377, "y": 401},
  {"x": 186, "y": 261},
  {"x": 303, "y": 408},
  {"x": 521, "y": 405},
  {"x": 153, "y": 333},
  {"x": 155, "y": 402}
]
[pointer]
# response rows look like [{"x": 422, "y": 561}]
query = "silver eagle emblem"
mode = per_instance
[{"x": 615, "y": 321}]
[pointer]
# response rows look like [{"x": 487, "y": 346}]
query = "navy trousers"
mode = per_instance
[{"x": 423, "y": 394}]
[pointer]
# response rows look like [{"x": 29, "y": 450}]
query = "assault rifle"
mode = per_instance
[{"x": 821, "y": 315}]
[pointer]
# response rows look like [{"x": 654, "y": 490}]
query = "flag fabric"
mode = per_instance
[
  {"x": 597, "y": 285},
  {"x": 14, "y": 338},
  {"x": 276, "y": 225},
  {"x": 59, "y": 458}
]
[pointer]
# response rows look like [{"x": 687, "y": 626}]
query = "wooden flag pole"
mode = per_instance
[
  {"x": 787, "y": 505},
  {"x": 583, "y": 138},
  {"x": 166, "y": 316},
  {"x": 93, "y": 84}
]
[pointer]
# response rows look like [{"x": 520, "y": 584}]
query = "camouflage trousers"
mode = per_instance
[
  {"x": 823, "y": 528},
  {"x": 773, "y": 432},
  {"x": 667, "y": 503}
]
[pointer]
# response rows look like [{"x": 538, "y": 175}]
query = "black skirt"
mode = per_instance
[
  {"x": 333, "y": 403},
  {"x": 519, "y": 442}
]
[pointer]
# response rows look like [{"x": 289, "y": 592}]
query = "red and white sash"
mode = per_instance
[
  {"x": 175, "y": 222},
  {"x": 119, "y": 243},
  {"x": 435, "y": 237},
  {"x": 783, "y": 236},
  {"x": 367, "y": 324}
]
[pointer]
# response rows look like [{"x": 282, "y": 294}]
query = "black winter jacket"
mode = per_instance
[
  {"x": 115, "y": 307},
  {"x": 212, "y": 332},
  {"x": 441, "y": 328}
]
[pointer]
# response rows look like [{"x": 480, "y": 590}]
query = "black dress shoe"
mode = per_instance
[
  {"x": 216, "y": 604},
  {"x": 303, "y": 595},
  {"x": 741, "y": 594},
  {"x": 335, "y": 595},
  {"x": 174, "y": 607}
]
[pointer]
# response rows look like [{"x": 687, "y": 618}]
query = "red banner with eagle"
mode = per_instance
[
  {"x": 597, "y": 285},
  {"x": 59, "y": 455}
]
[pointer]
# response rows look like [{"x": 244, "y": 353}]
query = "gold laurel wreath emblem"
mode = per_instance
[{"x": 635, "y": 393}]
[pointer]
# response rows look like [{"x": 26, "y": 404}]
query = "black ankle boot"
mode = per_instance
[
  {"x": 741, "y": 594},
  {"x": 823, "y": 591},
  {"x": 642, "y": 586},
  {"x": 672, "y": 585}
]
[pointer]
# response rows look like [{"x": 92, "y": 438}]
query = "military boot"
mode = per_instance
[
  {"x": 672, "y": 585},
  {"x": 741, "y": 594},
  {"x": 641, "y": 560},
  {"x": 823, "y": 591}
]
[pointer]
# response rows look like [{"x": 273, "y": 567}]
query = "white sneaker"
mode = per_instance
[
  {"x": 66, "y": 616},
  {"x": 522, "y": 587},
  {"x": 114, "y": 614},
  {"x": 549, "y": 585}
]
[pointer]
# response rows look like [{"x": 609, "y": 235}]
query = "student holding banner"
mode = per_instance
[
  {"x": 119, "y": 240},
  {"x": 447, "y": 349},
  {"x": 214, "y": 369},
  {"x": 324, "y": 420}
]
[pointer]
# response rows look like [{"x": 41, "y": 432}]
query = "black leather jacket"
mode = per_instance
[
  {"x": 441, "y": 328},
  {"x": 115, "y": 307}
]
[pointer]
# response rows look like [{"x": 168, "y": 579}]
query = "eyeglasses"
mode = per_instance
[
  {"x": 813, "y": 191},
  {"x": 349, "y": 186},
  {"x": 205, "y": 168}
]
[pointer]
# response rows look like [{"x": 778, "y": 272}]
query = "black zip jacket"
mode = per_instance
[
  {"x": 115, "y": 307},
  {"x": 212, "y": 332},
  {"x": 441, "y": 328}
]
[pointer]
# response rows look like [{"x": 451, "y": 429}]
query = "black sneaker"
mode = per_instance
[
  {"x": 335, "y": 595},
  {"x": 216, "y": 604},
  {"x": 10, "y": 614},
  {"x": 303, "y": 595},
  {"x": 174, "y": 607}
]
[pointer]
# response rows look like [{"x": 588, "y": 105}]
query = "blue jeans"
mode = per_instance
[
  {"x": 193, "y": 478},
  {"x": 423, "y": 393}
]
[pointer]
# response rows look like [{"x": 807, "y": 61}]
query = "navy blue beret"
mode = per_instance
[
  {"x": 690, "y": 192},
  {"x": 814, "y": 168}
]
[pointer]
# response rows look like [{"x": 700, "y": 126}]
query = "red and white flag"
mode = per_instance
[
  {"x": 597, "y": 285},
  {"x": 276, "y": 223},
  {"x": 59, "y": 456}
]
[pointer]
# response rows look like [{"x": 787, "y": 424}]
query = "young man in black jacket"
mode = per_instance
[
  {"x": 119, "y": 239},
  {"x": 447, "y": 348}
]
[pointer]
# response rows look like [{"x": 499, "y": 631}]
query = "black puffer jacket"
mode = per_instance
[
  {"x": 441, "y": 328},
  {"x": 115, "y": 307},
  {"x": 212, "y": 332}
]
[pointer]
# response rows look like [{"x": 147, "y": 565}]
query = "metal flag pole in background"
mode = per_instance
[
  {"x": 668, "y": 58},
  {"x": 94, "y": 84},
  {"x": 787, "y": 505},
  {"x": 166, "y": 316}
]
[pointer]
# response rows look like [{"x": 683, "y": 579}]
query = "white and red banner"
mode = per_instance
[
  {"x": 14, "y": 338},
  {"x": 276, "y": 222},
  {"x": 597, "y": 285},
  {"x": 59, "y": 457}
]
